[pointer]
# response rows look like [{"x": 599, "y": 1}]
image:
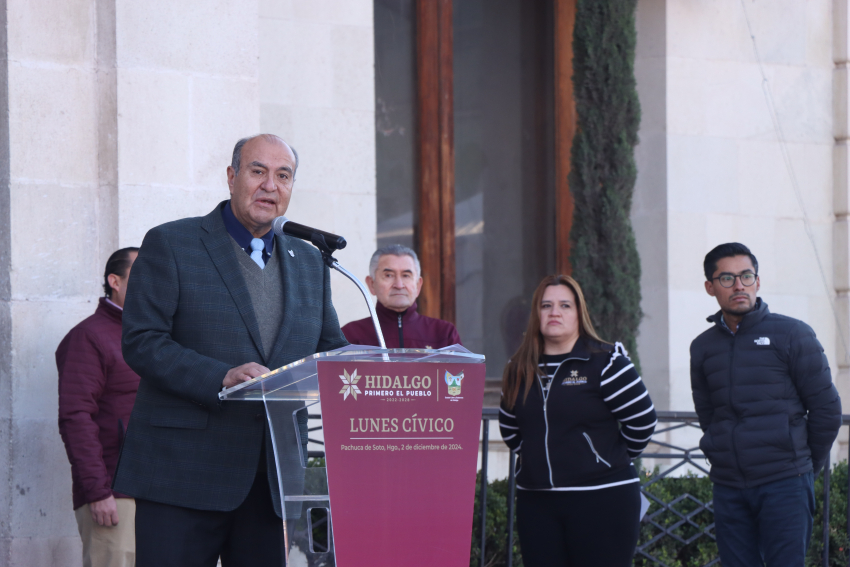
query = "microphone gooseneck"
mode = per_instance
[{"x": 327, "y": 243}]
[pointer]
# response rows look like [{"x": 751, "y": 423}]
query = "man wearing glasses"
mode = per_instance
[{"x": 769, "y": 413}]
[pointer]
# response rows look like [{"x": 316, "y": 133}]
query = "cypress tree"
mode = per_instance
[{"x": 603, "y": 254}]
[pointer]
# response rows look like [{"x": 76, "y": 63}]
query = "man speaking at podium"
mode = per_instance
[{"x": 212, "y": 302}]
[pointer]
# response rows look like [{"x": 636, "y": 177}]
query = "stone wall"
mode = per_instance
[
  {"x": 117, "y": 116},
  {"x": 841, "y": 199},
  {"x": 711, "y": 168},
  {"x": 317, "y": 84},
  {"x": 187, "y": 90},
  {"x": 61, "y": 226}
]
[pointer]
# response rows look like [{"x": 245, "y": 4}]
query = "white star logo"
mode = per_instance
[
  {"x": 574, "y": 373},
  {"x": 350, "y": 384}
]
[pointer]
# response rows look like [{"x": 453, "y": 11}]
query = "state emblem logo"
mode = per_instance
[
  {"x": 454, "y": 383},
  {"x": 350, "y": 382}
]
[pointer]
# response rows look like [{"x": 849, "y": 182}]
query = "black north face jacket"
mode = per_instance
[{"x": 764, "y": 397}]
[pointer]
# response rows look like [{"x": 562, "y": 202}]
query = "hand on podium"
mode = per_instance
[{"x": 243, "y": 373}]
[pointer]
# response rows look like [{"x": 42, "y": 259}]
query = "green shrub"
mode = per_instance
[
  {"x": 838, "y": 540},
  {"x": 698, "y": 550},
  {"x": 495, "y": 546}
]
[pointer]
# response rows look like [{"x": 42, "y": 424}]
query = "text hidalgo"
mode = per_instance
[{"x": 384, "y": 386}]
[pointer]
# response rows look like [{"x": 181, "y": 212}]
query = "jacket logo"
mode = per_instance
[
  {"x": 762, "y": 341},
  {"x": 574, "y": 379}
]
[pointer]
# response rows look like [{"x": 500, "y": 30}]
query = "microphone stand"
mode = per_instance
[{"x": 327, "y": 255}]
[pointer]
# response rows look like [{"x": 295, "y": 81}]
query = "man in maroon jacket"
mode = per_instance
[
  {"x": 96, "y": 394},
  {"x": 394, "y": 277}
]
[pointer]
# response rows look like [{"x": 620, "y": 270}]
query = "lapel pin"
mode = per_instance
[{"x": 291, "y": 253}]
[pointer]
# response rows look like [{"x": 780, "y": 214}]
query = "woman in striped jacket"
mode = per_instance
[{"x": 577, "y": 413}]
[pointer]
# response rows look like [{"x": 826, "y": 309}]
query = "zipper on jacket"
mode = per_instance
[
  {"x": 732, "y": 406},
  {"x": 592, "y": 448},
  {"x": 400, "y": 333},
  {"x": 545, "y": 394}
]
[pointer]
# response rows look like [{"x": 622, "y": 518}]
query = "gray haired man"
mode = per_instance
[{"x": 395, "y": 278}]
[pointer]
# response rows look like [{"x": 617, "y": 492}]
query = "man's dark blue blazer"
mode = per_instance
[{"x": 188, "y": 319}]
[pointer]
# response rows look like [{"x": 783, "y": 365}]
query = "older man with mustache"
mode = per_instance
[
  {"x": 212, "y": 302},
  {"x": 395, "y": 279}
]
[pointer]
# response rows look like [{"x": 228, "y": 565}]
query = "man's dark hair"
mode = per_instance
[
  {"x": 726, "y": 251},
  {"x": 118, "y": 264},
  {"x": 236, "y": 159}
]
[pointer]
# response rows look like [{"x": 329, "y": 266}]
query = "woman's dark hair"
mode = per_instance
[
  {"x": 727, "y": 250},
  {"x": 522, "y": 367},
  {"x": 118, "y": 264}
]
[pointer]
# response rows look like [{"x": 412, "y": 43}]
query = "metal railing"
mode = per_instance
[{"x": 684, "y": 456}]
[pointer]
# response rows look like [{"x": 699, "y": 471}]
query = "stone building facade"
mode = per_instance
[
  {"x": 743, "y": 138},
  {"x": 118, "y": 115}
]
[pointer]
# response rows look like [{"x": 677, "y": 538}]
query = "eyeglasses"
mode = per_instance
[{"x": 728, "y": 280}]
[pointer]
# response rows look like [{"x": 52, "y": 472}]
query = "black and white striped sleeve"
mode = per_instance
[
  {"x": 628, "y": 400},
  {"x": 508, "y": 427}
]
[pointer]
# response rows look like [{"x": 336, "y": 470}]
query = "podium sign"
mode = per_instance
[{"x": 401, "y": 443}]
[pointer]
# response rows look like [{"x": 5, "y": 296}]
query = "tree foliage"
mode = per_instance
[{"x": 603, "y": 254}]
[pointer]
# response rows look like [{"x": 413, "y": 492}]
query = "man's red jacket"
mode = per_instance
[
  {"x": 96, "y": 394},
  {"x": 407, "y": 329}
]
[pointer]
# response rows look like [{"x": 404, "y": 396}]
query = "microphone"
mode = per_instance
[{"x": 282, "y": 225}]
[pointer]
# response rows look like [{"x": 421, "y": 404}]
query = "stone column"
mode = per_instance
[
  {"x": 115, "y": 116},
  {"x": 5, "y": 302},
  {"x": 649, "y": 207},
  {"x": 57, "y": 195},
  {"x": 841, "y": 202}
]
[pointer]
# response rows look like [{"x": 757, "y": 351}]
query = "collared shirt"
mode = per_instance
[
  {"x": 242, "y": 236},
  {"x": 113, "y": 304},
  {"x": 723, "y": 319}
]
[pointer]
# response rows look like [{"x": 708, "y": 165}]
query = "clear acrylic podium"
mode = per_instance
[{"x": 290, "y": 390}]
